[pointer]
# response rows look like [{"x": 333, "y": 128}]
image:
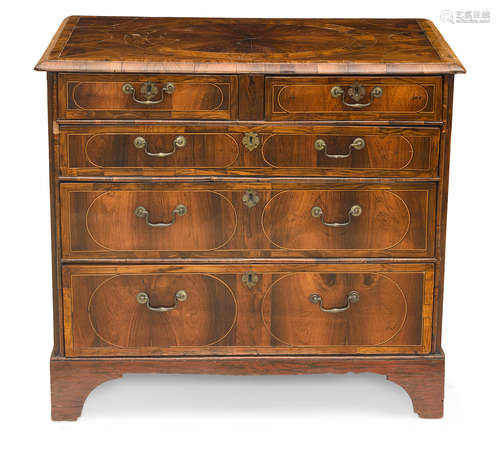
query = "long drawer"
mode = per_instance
[
  {"x": 257, "y": 150},
  {"x": 354, "y": 98},
  {"x": 264, "y": 309},
  {"x": 151, "y": 221},
  {"x": 121, "y": 96}
]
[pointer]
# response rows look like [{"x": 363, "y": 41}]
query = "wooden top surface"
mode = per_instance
[{"x": 280, "y": 46}]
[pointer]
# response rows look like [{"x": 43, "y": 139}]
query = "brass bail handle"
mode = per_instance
[
  {"x": 357, "y": 144},
  {"x": 351, "y": 298},
  {"x": 356, "y": 92},
  {"x": 143, "y": 298},
  {"x": 354, "y": 211},
  {"x": 142, "y": 212},
  {"x": 141, "y": 144},
  {"x": 149, "y": 91}
]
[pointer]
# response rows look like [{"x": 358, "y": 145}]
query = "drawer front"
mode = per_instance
[
  {"x": 147, "y": 96},
  {"x": 354, "y": 98},
  {"x": 264, "y": 150},
  {"x": 328, "y": 309},
  {"x": 252, "y": 220}
]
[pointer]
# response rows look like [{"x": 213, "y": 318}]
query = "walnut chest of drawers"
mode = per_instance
[{"x": 243, "y": 196}]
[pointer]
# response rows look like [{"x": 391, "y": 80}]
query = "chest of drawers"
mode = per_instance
[{"x": 248, "y": 196}]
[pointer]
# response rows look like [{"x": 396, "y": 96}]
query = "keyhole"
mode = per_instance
[
  {"x": 250, "y": 279},
  {"x": 250, "y": 198}
]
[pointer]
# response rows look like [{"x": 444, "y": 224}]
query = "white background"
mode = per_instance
[{"x": 351, "y": 410}]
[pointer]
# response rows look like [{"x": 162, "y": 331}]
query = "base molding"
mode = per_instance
[{"x": 72, "y": 379}]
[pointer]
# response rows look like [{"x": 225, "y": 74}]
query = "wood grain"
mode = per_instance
[
  {"x": 101, "y": 96},
  {"x": 250, "y": 98},
  {"x": 288, "y": 46},
  {"x": 57, "y": 300},
  {"x": 442, "y": 211},
  {"x": 272, "y": 77},
  {"x": 98, "y": 220},
  {"x": 218, "y": 150},
  {"x": 118, "y": 320},
  {"x": 386, "y": 305},
  {"x": 422, "y": 377},
  {"x": 103, "y": 316},
  {"x": 310, "y": 98}
]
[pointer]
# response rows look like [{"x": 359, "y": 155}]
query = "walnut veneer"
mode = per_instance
[{"x": 248, "y": 196}]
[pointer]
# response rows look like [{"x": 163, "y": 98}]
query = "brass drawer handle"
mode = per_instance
[
  {"x": 149, "y": 90},
  {"x": 141, "y": 143},
  {"x": 142, "y": 212},
  {"x": 354, "y": 211},
  {"x": 143, "y": 298},
  {"x": 352, "y": 298},
  {"x": 356, "y": 92},
  {"x": 357, "y": 144}
]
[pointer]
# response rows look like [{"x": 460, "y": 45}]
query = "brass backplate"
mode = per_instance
[
  {"x": 149, "y": 90},
  {"x": 250, "y": 198},
  {"x": 356, "y": 92},
  {"x": 250, "y": 279},
  {"x": 251, "y": 141}
]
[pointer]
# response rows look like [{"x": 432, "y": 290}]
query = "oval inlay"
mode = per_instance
[
  {"x": 205, "y": 317},
  {"x": 397, "y": 98},
  {"x": 288, "y": 223},
  {"x": 297, "y": 151},
  {"x": 291, "y": 318},
  {"x": 200, "y": 151},
  {"x": 209, "y": 223},
  {"x": 186, "y": 97}
]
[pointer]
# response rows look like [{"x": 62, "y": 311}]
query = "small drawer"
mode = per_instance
[
  {"x": 147, "y": 97},
  {"x": 354, "y": 98},
  {"x": 155, "y": 221},
  {"x": 266, "y": 309},
  {"x": 261, "y": 150}
]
